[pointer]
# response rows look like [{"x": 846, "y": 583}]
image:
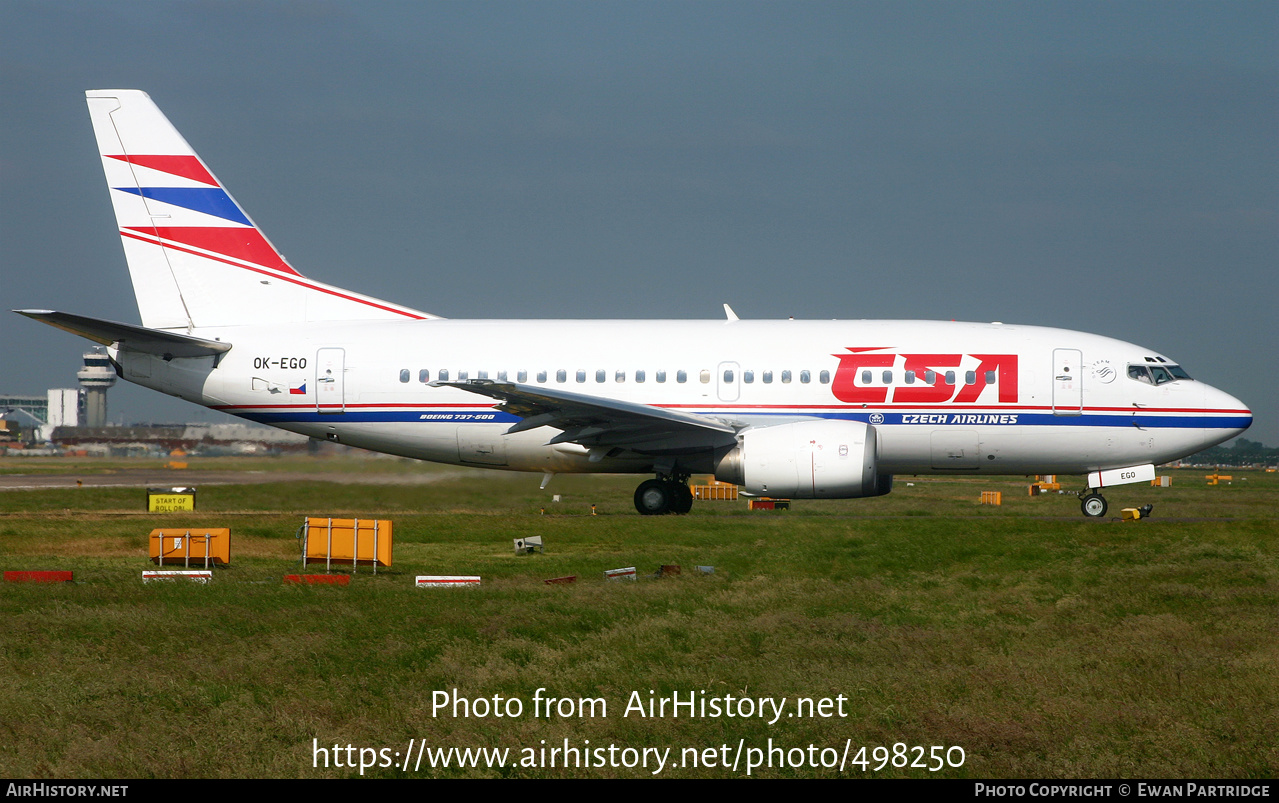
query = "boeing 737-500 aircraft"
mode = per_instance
[{"x": 800, "y": 409}]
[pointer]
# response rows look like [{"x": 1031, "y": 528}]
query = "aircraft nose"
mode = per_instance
[{"x": 1224, "y": 416}]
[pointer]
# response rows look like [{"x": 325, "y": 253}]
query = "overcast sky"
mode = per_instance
[{"x": 1109, "y": 167}]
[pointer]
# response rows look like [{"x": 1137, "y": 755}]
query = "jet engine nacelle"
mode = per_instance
[{"x": 807, "y": 460}]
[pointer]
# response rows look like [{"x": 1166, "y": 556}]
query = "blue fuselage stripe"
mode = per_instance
[{"x": 948, "y": 419}]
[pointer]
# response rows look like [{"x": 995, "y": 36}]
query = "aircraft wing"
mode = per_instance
[
  {"x": 129, "y": 337},
  {"x": 593, "y": 421}
]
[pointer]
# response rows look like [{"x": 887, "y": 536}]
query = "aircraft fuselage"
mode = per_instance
[{"x": 1002, "y": 398}]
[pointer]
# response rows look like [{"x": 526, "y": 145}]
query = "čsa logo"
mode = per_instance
[{"x": 923, "y": 378}]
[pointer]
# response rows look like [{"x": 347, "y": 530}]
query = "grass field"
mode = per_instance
[{"x": 1041, "y": 643}]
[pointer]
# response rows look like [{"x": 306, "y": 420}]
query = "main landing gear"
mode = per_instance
[
  {"x": 663, "y": 495},
  {"x": 1093, "y": 504}
]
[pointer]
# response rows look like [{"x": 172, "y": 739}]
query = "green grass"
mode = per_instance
[{"x": 1043, "y": 644}]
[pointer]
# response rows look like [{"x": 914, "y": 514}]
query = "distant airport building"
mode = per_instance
[
  {"x": 31, "y": 409},
  {"x": 204, "y": 439},
  {"x": 39, "y": 415},
  {"x": 66, "y": 408},
  {"x": 95, "y": 377},
  {"x": 63, "y": 407},
  {"x": 59, "y": 407}
]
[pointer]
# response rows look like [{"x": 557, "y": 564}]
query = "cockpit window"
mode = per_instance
[{"x": 1157, "y": 374}]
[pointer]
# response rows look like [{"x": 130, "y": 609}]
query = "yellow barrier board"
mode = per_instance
[
  {"x": 191, "y": 545},
  {"x": 366, "y": 541}
]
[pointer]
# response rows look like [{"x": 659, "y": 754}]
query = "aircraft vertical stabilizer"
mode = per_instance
[{"x": 195, "y": 257}]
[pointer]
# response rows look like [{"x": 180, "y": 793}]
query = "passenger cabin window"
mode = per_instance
[
  {"x": 404, "y": 375},
  {"x": 950, "y": 377},
  {"x": 639, "y": 375},
  {"x": 728, "y": 375},
  {"x": 482, "y": 374},
  {"x": 910, "y": 377},
  {"x": 561, "y": 375},
  {"x": 661, "y": 376},
  {"x": 805, "y": 377},
  {"x": 748, "y": 376},
  {"x": 824, "y": 377},
  {"x": 865, "y": 377},
  {"x": 990, "y": 377},
  {"x": 463, "y": 375},
  {"x": 424, "y": 376},
  {"x": 930, "y": 377},
  {"x": 888, "y": 377},
  {"x": 681, "y": 376},
  {"x": 785, "y": 376},
  {"x": 541, "y": 376},
  {"x": 620, "y": 376},
  {"x": 581, "y": 375},
  {"x": 522, "y": 376},
  {"x": 768, "y": 377},
  {"x": 970, "y": 377},
  {"x": 444, "y": 374},
  {"x": 600, "y": 375},
  {"x": 704, "y": 376},
  {"x": 501, "y": 376}
]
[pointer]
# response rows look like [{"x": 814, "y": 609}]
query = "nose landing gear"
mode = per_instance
[
  {"x": 1093, "y": 505},
  {"x": 663, "y": 495}
]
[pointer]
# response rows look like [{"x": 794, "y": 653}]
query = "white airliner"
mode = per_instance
[{"x": 800, "y": 409}]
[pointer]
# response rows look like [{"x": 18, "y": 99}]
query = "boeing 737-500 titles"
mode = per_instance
[{"x": 799, "y": 409}]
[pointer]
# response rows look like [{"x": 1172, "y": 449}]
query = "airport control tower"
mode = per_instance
[{"x": 95, "y": 377}]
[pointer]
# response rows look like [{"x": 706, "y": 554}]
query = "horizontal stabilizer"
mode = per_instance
[{"x": 128, "y": 337}]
